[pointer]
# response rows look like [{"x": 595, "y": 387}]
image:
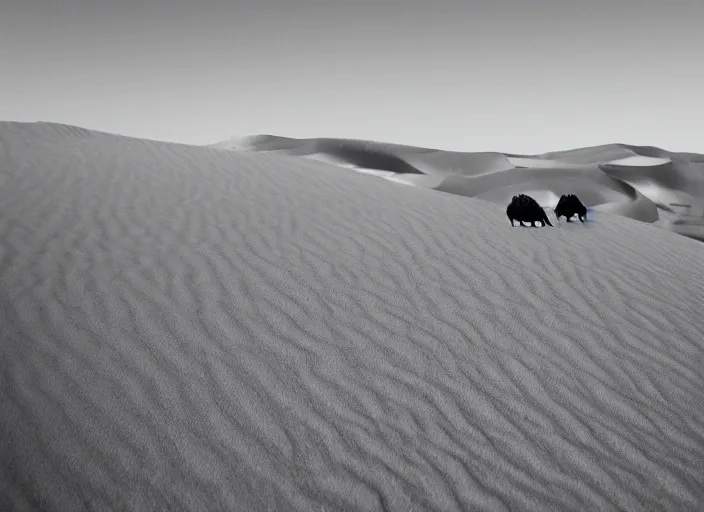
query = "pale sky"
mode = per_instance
[{"x": 494, "y": 75}]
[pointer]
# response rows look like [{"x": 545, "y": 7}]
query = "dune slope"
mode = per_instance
[{"x": 190, "y": 328}]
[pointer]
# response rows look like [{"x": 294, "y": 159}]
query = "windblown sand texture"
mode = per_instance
[
  {"x": 639, "y": 182},
  {"x": 201, "y": 329}
]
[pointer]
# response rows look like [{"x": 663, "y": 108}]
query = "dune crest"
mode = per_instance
[{"x": 193, "y": 329}]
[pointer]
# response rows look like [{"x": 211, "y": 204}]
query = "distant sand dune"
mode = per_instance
[
  {"x": 650, "y": 181},
  {"x": 640, "y": 161},
  {"x": 200, "y": 329},
  {"x": 591, "y": 155}
]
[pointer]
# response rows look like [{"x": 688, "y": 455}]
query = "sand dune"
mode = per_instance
[
  {"x": 189, "y": 328},
  {"x": 643, "y": 183}
]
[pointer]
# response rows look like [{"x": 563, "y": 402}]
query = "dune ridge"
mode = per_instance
[
  {"x": 198, "y": 329},
  {"x": 643, "y": 183}
]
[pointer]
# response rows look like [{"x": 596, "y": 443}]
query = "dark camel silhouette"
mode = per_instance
[
  {"x": 524, "y": 208},
  {"x": 568, "y": 206}
]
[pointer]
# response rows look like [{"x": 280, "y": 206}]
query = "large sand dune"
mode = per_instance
[
  {"x": 639, "y": 182},
  {"x": 189, "y": 328}
]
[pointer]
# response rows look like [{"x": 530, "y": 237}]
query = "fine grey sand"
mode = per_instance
[{"x": 202, "y": 329}]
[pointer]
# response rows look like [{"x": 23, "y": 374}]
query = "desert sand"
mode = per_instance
[
  {"x": 206, "y": 328},
  {"x": 639, "y": 182}
]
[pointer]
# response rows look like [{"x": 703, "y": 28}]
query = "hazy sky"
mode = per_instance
[{"x": 507, "y": 75}]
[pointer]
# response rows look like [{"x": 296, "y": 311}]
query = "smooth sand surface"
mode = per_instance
[
  {"x": 640, "y": 161},
  {"x": 643, "y": 183},
  {"x": 189, "y": 328}
]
